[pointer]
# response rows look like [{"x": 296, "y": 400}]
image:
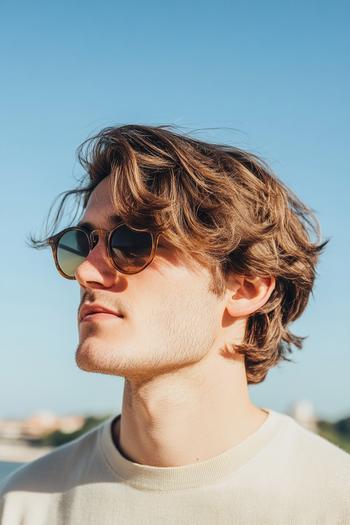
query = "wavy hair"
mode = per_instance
[{"x": 221, "y": 205}]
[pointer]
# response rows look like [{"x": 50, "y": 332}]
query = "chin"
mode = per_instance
[
  {"x": 91, "y": 365},
  {"x": 95, "y": 358}
]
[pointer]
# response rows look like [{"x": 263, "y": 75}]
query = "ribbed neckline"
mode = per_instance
[{"x": 192, "y": 475}]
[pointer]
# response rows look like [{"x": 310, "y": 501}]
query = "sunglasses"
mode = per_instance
[{"x": 130, "y": 250}]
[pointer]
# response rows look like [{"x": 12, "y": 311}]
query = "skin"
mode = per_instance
[{"x": 184, "y": 399}]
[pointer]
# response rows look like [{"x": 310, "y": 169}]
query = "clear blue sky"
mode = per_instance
[{"x": 272, "y": 77}]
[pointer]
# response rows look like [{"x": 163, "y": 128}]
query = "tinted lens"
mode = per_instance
[
  {"x": 72, "y": 249},
  {"x": 130, "y": 249}
]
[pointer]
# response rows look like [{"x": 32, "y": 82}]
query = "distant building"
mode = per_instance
[
  {"x": 44, "y": 422},
  {"x": 304, "y": 413},
  {"x": 40, "y": 423},
  {"x": 17, "y": 436}
]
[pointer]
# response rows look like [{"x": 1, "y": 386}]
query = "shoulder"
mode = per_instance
[
  {"x": 308, "y": 475},
  {"x": 56, "y": 470},
  {"x": 313, "y": 448},
  {"x": 314, "y": 461}
]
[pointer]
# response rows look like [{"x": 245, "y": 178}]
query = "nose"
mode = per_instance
[{"x": 96, "y": 267}]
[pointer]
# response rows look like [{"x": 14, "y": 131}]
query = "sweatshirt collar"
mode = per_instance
[{"x": 198, "y": 474}]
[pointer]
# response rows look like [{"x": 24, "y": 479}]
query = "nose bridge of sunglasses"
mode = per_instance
[{"x": 95, "y": 235}]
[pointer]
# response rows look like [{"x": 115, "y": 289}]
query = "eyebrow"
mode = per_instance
[{"x": 114, "y": 220}]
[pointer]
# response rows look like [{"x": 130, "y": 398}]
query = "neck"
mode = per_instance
[{"x": 187, "y": 416}]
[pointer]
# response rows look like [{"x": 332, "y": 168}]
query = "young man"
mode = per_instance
[{"x": 192, "y": 259}]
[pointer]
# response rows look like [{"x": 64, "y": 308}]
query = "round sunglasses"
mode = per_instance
[{"x": 130, "y": 250}]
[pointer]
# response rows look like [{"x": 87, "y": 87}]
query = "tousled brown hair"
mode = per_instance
[{"x": 224, "y": 207}]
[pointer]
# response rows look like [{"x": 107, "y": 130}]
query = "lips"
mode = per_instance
[{"x": 94, "y": 309}]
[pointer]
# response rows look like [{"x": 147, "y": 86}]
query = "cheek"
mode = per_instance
[
  {"x": 167, "y": 291},
  {"x": 168, "y": 297},
  {"x": 173, "y": 305}
]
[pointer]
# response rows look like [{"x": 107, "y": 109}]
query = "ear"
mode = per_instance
[{"x": 247, "y": 294}]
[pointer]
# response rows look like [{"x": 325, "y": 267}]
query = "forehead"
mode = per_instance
[{"x": 100, "y": 210}]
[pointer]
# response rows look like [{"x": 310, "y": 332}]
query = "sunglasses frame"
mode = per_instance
[{"x": 107, "y": 236}]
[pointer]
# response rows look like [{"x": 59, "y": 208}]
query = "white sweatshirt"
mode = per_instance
[{"x": 282, "y": 474}]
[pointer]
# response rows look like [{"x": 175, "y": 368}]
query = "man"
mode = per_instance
[{"x": 192, "y": 259}]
